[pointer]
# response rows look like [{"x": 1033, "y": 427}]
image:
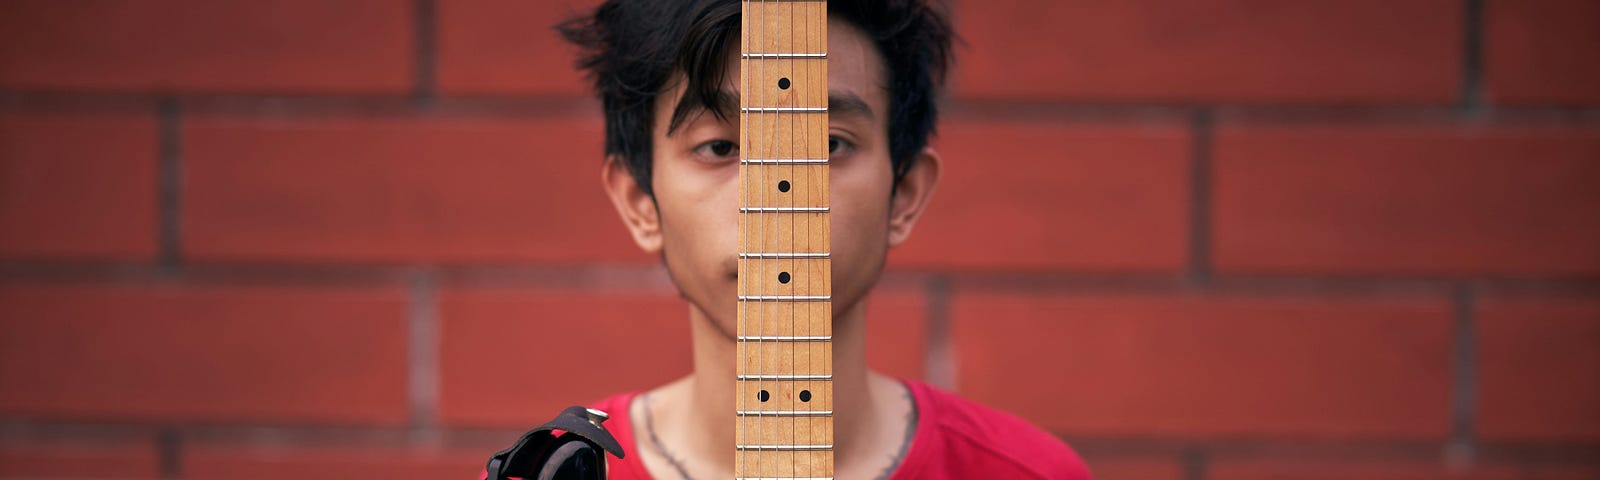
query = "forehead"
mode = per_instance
[
  {"x": 854, "y": 65},
  {"x": 855, "y": 70}
]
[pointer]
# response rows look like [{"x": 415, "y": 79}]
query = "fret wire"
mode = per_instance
[
  {"x": 784, "y": 413},
  {"x": 760, "y": 56},
  {"x": 785, "y": 298},
  {"x": 786, "y": 448},
  {"x": 783, "y": 109},
  {"x": 783, "y": 209},
  {"x": 783, "y": 161},
  {"x": 786, "y": 377},
  {"x": 812, "y": 256}
]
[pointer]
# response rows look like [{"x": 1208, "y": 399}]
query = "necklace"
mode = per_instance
[{"x": 650, "y": 427}]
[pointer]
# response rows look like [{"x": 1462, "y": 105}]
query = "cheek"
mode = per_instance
[
  {"x": 857, "y": 236},
  {"x": 858, "y": 223},
  {"x": 699, "y": 210},
  {"x": 859, "y": 189},
  {"x": 699, "y": 217},
  {"x": 860, "y": 247}
]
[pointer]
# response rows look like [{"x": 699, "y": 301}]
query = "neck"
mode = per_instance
[{"x": 709, "y": 397}]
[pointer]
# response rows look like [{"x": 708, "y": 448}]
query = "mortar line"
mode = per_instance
[
  {"x": 940, "y": 369},
  {"x": 1462, "y": 444},
  {"x": 1195, "y": 463},
  {"x": 169, "y": 186},
  {"x": 1202, "y": 126},
  {"x": 1472, "y": 103},
  {"x": 423, "y": 353},
  {"x": 169, "y": 452},
  {"x": 425, "y": 51}
]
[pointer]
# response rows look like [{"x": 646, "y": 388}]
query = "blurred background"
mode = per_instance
[{"x": 1198, "y": 239}]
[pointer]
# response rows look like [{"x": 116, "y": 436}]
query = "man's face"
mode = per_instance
[{"x": 696, "y": 180}]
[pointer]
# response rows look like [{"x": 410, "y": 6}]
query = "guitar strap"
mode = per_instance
[{"x": 576, "y": 453}]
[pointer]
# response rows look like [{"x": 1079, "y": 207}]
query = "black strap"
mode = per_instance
[{"x": 525, "y": 457}]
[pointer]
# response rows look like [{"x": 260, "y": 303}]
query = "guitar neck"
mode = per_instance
[{"x": 785, "y": 328}]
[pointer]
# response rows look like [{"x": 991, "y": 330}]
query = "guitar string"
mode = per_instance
[
  {"x": 744, "y": 265},
  {"x": 810, "y": 284},
  {"x": 799, "y": 82},
  {"x": 793, "y": 424},
  {"x": 761, "y": 367}
]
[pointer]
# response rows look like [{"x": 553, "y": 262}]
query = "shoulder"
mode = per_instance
[{"x": 990, "y": 441}]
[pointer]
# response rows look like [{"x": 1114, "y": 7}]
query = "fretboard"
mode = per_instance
[{"x": 785, "y": 335}]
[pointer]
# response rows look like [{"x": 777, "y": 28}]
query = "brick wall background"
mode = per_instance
[{"x": 1245, "y": 239}]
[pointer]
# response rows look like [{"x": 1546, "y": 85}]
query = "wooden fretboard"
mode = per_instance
[{"x": 785, "y": 348}]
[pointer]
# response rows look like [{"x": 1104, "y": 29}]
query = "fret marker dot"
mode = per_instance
[
  {"x": 783, "y": 277},
  {"x": 763, "y": 396},
  {"x": 805, "y": 396},
  {"x": 783, "y": 186},
  {"x": 783, "y": 83}
]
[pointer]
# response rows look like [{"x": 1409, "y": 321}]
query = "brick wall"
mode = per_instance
[{"x": 1199, "y": 239}]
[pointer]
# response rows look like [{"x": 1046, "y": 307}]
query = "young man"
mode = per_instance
[{"x": 668, "y": 74}]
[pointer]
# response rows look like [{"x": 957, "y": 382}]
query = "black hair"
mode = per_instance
[{"x": 631, "y": 49}]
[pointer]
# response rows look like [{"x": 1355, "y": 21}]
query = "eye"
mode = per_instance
[
  {"x": 718, "y": 148},
  {"x": 835, "y": 144}
]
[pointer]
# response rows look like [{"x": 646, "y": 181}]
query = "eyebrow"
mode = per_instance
[
  {"x": 839, "y": 104},
  {"x": 847, "y": 104}
]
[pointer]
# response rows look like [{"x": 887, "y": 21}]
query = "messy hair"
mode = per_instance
[{"x": 632, "y": 49}]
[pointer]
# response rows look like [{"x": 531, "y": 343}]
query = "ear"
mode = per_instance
[
  {"x": 637, "y": 208},
  {"x": 911, "y": 195}
]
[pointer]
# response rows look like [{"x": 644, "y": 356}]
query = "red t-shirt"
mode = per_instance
[{"x": 955, "y": 439}]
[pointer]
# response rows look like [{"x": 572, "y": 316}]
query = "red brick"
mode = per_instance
[
  {"x": 1425, "y": 200},
  {"x": 40, "y": 460},
  {"x": 1209, "y": 366},
  {"x": 1050, "y": 196},
  {"x": 507, "y": 47},
  {"x": 1345, "y": 469},
  {"x": 361, "y": 46},
  {"x": 272, "y": 462},
  {"x": 514, "y": 358},
  {"x": 1542, "y": 51},
  {"x": 1135, "y": 468},
  {"x": 897, "y": 333},
  {"x": 1539, "y": 369},
  {"x": 196, "y": 353},
  {"x": 1324, "y": 51},
  {"x": 78, "y": 186},
  {"x": 650, "y": 328},
  {"x": 398, "y": 190}
]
